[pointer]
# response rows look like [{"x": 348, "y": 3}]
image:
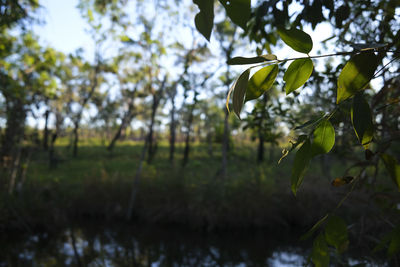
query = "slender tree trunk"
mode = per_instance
[
  {"x": 261, "y": 130},
  {"x": 260, "y": 150},
  {"x": 127, "y": 118},
  {"x": 76, "y": 138},
  {"x": 189, "y": 128},
  {"x": 151, "y": 130},
  {"x": 117, "y": 135},
  {"x": 156, "y": 101},
  {"x": 46, "y": 130},
  {"x": 172, "y": 130},
  {"x": 225, "y": 146},
  {"x": 15, "y": 127},
  {"x": 135, "y": 183}
]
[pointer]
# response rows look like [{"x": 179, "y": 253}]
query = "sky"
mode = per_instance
[{"x": 64, "y": 28}]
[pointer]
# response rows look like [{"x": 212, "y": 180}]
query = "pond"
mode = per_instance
[{"x": 149, "y": 245}]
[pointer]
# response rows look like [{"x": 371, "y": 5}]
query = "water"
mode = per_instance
[{"x": 96, "y": 245}]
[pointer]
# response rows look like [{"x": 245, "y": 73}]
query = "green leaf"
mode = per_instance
[
  {"x": 394, "y": 245},
  {"x": 361, "y": 118},
  {"x": 356, "y": 75},
  {"x": 393, "y": 168},
  {"x": 204, "y": 20},
  {"x": 239, "y": 89},
  {"x": 310, "y": 122},
  {"x": 90, "y": 15},
  {"x": 314, "y": 228},
  {"x": 261, "y": 81},
  {"x": 238, "y": 11},
  {"x": 298, "y": 72},
  {"x": 320, "y": 252},
  {"x": 300, "y": 165},
  {"x": 286, "y": 152},
  {"x": 251, "y": 60},
  {"x": 296, "y": 39},
  {"x": 324, "y": 138},
  {"x": 336, "y": 233}
]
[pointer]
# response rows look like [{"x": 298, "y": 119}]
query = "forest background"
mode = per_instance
[{"x": 136, "y": 126}]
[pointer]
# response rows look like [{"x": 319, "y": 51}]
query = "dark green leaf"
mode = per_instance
[
  {"x": 310, "y": 122},
  {"x": 300, "y": 165},
  {"x": 361, "y": 118},
  {"x": 320, "y": 252},
  {"x": 296, "y": 39},
  {"x": 250, "y": 60},
  {"x": 238, "y": 11},
  {"x": 314, "y": 228},
  {"x": 324, "y": 138},
  {"x": 393, "y": 168},
  {"x": 356, "y": 75},
  {"x": 204, "y": 20},
  {"x": 368, "y": 46},
  {"x": 261, "y": 81},
  {"x": 239, "y": 89},
  {"x": 298, "y": 72},
  {"x": 336, "y": 233},
  {"x": 394, "y": 245}
]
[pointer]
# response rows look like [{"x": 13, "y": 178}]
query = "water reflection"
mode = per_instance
[{"x": 151, "y": 246}]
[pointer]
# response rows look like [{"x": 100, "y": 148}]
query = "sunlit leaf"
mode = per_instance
[
  {"x": 320, "y": 252},
  {"x": 361, "y": 117},
  {"x": 239, "y": 89},
  {"x": 261, "y": 81},
  {"x": 299, "y": 141},
  {"x": 90, "y": 15},
  {"x": 296, "y": 39},
  {"x": 298, "y": 72},
  {"x": 324, "y": 138},
  {"x": 393, "y": 168},
  {"x": 340, "y": 181},
  {"x": 251, "y": 60},
  {"x": 300, "y": 165},
  {"x": 356, "y": 75},
  {"x": 204, "y": 20},
  {"x": 336, "y": 233},
  {"x": 238, "y": 11}
]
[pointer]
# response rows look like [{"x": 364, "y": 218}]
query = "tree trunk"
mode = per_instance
[
  {"x": 172, "y": 130},
  {"x": 261, "y": 130},
  {"x": 135, "y": 183},
  {"x": 117, "y": 135},
  {"x": 14, "y": 129},
  {"x": 189, "y": 127},
  {"x": 127, "y": 118},
  {"x": 76, "y": 138},
  {"x": 46, "y": 130},
  {"x": 156, "y": 101},
  {"x": 151, "y": 130},
  {"x": 260, "y": 150},
  {"x": 225, "y": 146}
]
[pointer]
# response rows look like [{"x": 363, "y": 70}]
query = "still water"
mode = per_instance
[{"x": 135, "y": 245}]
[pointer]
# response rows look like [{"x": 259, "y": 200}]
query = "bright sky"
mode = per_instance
[{"x": 64, "y": 28}]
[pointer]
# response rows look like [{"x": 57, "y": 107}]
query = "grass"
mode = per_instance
[{"x": 97, "y": 186}]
